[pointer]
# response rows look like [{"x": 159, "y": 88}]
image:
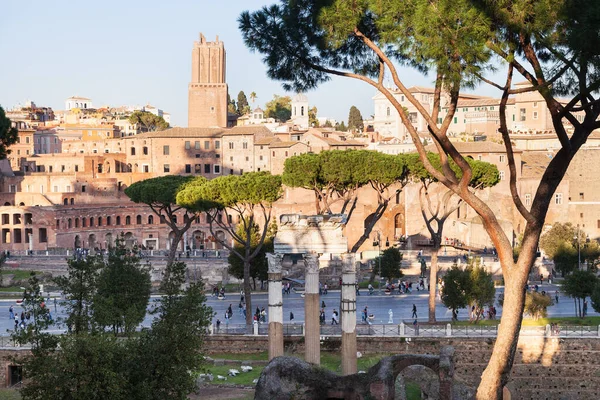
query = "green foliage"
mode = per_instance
[
  {"x": 565, "y": 258},
  {"x": 341, "y": 127},
  {"x": 471, "y": 286},
  {"x": 170, "y": 353},
  {"x": 355, "y": 120},
  {"x": 536, "y": 305},
  {"x": 249, "y": 189},
  {"x": 312, "y": 117},
  {"x": 159, "y": 192},
  {"x": 558, "y": 236},
  {"x": 595, "y": 298},
  {"x": 580, "y": 284},
  {"x": 259, "y": 265},
  {"x": 123, "y": 290},
  {"x": 242, "y": 103},
  {"x": 280, "y": 108},
  {"x": 391, "y": 262},
  {"x": 8, "y": 135},
  {"x": 148, "y": 121}
]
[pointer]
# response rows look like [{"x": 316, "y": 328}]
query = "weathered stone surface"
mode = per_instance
[{"x": 292, "y": 378}]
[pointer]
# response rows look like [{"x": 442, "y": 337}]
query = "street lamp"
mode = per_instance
[{"x": 377, "y": 242}]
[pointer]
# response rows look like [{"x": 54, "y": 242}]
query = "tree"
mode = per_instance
[
  {"x": 148, "y": 121},
  {"x": 250, "y": 197},
  {"x": 536, "y": 305},
  {"x": 595, "y": 298},
  {"x": 312, "y": 117},
  {"x": 336, "y": 176},
  {"x": 482, "y": 291},
  {"x": 341, "y": 127},
  {"x": 280, "y": 108},
  {"x": 253, "y": 97},
  {"x": 391, "y": 262},
  {"x": 579, "y": 285},
  {"x": 171, "y": 351},
  {"x": 231, "y": 108},
  {"x": 355, "y": 120},
  {"x": 327, "y": 124},
  {"x": 242, "y": 103},
  {"x": 456, "y": 42},
  {"x": 557, "y": 236},
  {"x": 8, "y": 135},
  {"x": 565, "y": 258},
  {"x": 160, "y": 195},
  {"x": 456, "y": 287},
  {"x": 123, "y": 290},
  {"x": 258, "y": 266},
  {"x": 437, "y": 204}
]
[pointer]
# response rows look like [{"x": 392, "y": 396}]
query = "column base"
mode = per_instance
[
  {"x": 349, "y": 360},
  {"x": 275, "y": 340}
]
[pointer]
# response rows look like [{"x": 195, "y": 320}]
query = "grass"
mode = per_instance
[
  {"x": 329, "y": 360},
  {"x": 18, "y": 273},
  {"x": 10, "y": 394},
  {"x": 16, "y": 289}
]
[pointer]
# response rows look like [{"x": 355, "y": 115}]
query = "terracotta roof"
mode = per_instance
[
  {"x": 490, "y": 101},
  {"x": 248, "y": 130},
  {"x": 278, "y": 145},
  {"x": 266, "y": 141},
  {"x": 476, "y": 147},
  {"x": 184, "y": 132},
  {"x": 535, "y": 163}
]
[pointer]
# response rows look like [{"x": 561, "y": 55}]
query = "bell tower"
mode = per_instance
[{"x": 207, "y": 91}]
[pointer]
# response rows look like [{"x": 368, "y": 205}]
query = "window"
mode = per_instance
[
  {"x": 217, "y": 144},
  {"x": 273, "y": 154},
  {"x": 150, "y": 219},
  {"x": 206, "y": 145},
  {"x": 231, "y": 158},
  {"x": 77, "y": 168},
  {"x": 83, "y": 187},
  {"x": 128, "y": 220},
  {"x": 501, "y": 158},
  {"x": 260, "y": 158},
  {"x": 108, "y": 220},
  {"x": 245, "y": 145},
  {"x": 248, "y": 158},
  {"x": 118, "y": 220},
  {"x": 455, "y": 120},
  {"x": 133, "y": 151},
  {"x": 207, "y": 168},
  {"x": 522, "y": 114},
  {"x": 99, "y": 221},
  {"x": 188, "y": 145},
  {"x": 230, "y": 145},
  {"x": 83, "y": 222},
  {"x": 535, "y": 104},
  {"x": 138, "y": 220},
  {"x": 501, "y": 175},
  {"x": 217, "y": 169},
  {"x": 527, "y": 199},
  {"x": 581, "y": 196},
  {"x": 145, "y": 168},
  {"x": 388, "y": 111},
  {"x": 166, "y": 168},
  {"x": 558, "y": 198},
  {"x": 165, "y": 150},
  {"x": 535, "y": 115},
  {"x": 91, "y": 221},
  {"x": 198, "y": 168},
  {"x": 188, "y": 168},
  {"x": 197, "y": 155}
]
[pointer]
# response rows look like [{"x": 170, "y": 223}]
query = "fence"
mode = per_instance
[
  {"x": 410, "y": 330},
  {"x": 223, "y": 253}
]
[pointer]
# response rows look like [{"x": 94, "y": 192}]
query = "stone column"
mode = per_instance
[
  {"x": 312, "y": 334},
  {"x": 275, "y": 306},
  {"x": 348, "y": 313}
]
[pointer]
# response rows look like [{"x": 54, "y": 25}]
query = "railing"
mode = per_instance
[
  {"x": 224, "y": 253},
  {"x": 413, "y": 330}
]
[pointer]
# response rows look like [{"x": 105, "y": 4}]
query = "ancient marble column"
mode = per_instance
[
  {"x": 275, "y": 306},
  {"x": 348, "y": 311},
  {"x": 312, "y": 334}
]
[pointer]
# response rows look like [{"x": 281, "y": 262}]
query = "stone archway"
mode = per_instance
[
  {"x": 399, "y": 226},
  {"x": 198, "y": 238},
  {"x": 92, "y": 241},
  {"x": 108, "y": 240},
  {"x": 129, "y": 240},
  {"x": 77, "y": 242}
]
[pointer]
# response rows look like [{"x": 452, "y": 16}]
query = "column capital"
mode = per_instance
[
  {"x": 348, "y": 263},
  {"x": 311, "y": 261},
  {"x": 275, "y": 261}
]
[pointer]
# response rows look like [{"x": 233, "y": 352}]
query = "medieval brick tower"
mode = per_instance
[{"x": 207, "y": 100}]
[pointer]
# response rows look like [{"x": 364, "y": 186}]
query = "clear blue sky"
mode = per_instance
[{"x": 136, "y": 52}]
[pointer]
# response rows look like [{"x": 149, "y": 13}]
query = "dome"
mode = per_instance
[{"x": 300, "y": 98}]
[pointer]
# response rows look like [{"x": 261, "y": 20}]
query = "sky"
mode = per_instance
[{"x": 139, "y": 52}]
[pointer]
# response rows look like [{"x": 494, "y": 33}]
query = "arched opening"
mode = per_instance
[
  {"x": 91, "y": 223},
  {"x": 150, "y": 219},
  {"x": 198, "y": 238},
  {"x": 138, "y": 220},
  {"x": 69, "y": 223},
  {"x": 7, "y": 204},
  {"x": 66, "y": 202},
  {"x": 108, "y": 220},
  {"x": 92, "y": 241},
  {"x": 99, "y": 221},
  {"x": 220, "y": 237},
  {"x": 72, "y": 201},
  {"x": 128, "y": 220},
  {"x": 118, "y": 220},
  {"x": 108, "y": 240},
  {"x": 77, "y": 243},
  {"x": 399, "y": 231},
  {"x": 129, "y": 240},
  {"x": 21, "y": 204},
  {"x": 76, "y": 222}
]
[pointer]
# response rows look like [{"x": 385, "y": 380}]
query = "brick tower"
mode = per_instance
[{"x": 207, "y": 99}]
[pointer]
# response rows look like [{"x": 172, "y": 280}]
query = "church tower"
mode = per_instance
[
  {"x": 300, "y": 111},
  {"x": 207, "y": 92}
]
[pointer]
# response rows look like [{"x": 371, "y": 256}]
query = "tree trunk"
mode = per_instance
[
  {"x": 173, "y": 250},
  {"x": 248, "y": 293},
  {"x": 498, "y": 369},
  {"x": 433, "y": 272}
]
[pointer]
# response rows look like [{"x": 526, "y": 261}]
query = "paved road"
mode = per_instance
[{"x": 379, "y": 305}]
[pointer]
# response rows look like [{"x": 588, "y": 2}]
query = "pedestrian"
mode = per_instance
[
  {"x": 325, "y": 289},
  {"x": 323, "y": 304},
  {"x": 334, "y": 317},
  {"x": 340, "y": 282},
  {"x": 320, "y": 288},
  {"x": 322, "y": 316},
  {"x": 556, "y": 296},
  {"x": 263, "y": 315},
  {"x": 257, "y": 311},
  {"x": 357, "y": 289},
  {"x": 414, "y": 311},
  {"x": 22, "y": 316},
  {"x": 218, "y": 325},
  {"x": 585, "y": 307},
  {"x": 226, "y": 318},
  {"x": 16, "y": 323},
  {"x": 244, "y": 310},
  {"x": 416, "y": 327},
  {"x": 229, "y": 311},
  {"x": 11, "y": 312},
  {"x": 391, "y": 314},
  {"x": 240, "y": 308},
  {"x": 370, "y": 287},
  {"x": 291, "y": 316},
  {"x": 365, "y": 313},
  {"x": 541, "y": 279}
]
